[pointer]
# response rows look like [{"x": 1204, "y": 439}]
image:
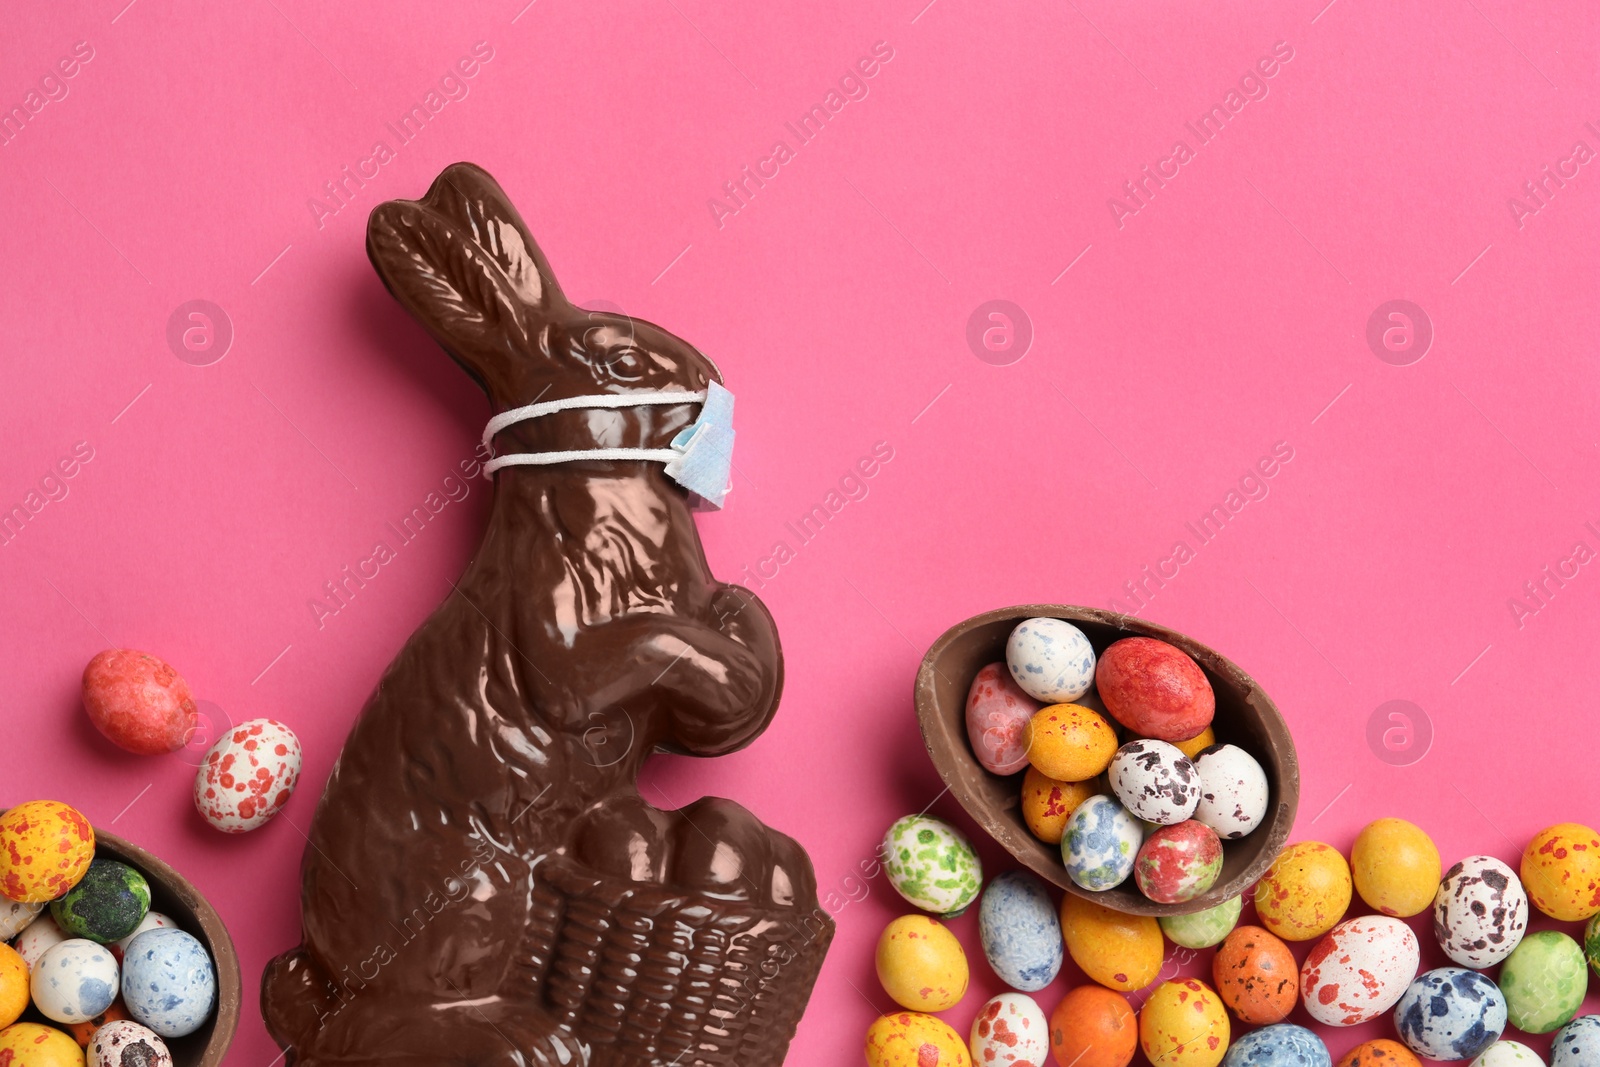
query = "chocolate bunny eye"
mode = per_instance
[{"x": 626, "y": 363}]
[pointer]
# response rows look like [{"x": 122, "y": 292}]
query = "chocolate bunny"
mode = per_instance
[{"x": 483, "y": 883}]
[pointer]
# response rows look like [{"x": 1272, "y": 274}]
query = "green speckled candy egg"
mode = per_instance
[
  {"x": 1543, "y": 980},
  {"x": 107, "y": 905},
  {"x": 932, "y": 864},
  {"x": 1591, "y": 943},
  {"x": 1202, "y": 929}
]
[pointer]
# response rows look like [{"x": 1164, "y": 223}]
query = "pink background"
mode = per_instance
[{"x": 1227, "y": 314}]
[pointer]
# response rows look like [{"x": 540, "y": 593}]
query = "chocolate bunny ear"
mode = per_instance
[{"x": 462, "y": 263}]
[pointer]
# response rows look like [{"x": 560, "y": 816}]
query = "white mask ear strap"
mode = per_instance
[{"x": 604, "y": 400}]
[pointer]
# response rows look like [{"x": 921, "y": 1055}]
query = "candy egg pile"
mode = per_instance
[
  {"x": 1141, "y": 791},
  {"x": 1255, "y": 1005},
  {"x": 90, "y": 974}
]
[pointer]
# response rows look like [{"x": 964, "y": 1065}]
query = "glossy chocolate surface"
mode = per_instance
[{"x": 483, "y": 882}]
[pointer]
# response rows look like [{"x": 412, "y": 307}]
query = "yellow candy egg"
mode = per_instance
[
  {"x": 1119, "y": 951},
  {"x": 32, "y": 1045},
  {"x": 1396, "y": 867},
  {"x": 1197, "y": 744},
  {"x": 13, "y": 986},
  {"x": 1047, "y": 804},
  {"x": 1305, "y": 892},
  {"x": 45, "y": 846},
  {"x": 911, "y": 1039},
  {"x": 1069, "y": 742},
  {"x": 1561, "y": 871},
  {"x": 921, "y": 964},
  {"x": 1183, "y": 1024}
]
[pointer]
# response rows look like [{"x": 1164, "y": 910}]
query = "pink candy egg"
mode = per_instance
[
  {"x": 139, "y": 703},
  {"x": 248, "y": 775},
  {"x": 997, "y": 719}
]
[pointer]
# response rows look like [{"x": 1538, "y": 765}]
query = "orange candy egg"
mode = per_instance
[
  {"x": 1380, "y": 1053},
  {"x": 1093, "y": 1027},
  {"x": 45, "y": 848},
  {"x": 1047, "y": 804},
  {"x": 1256, "y": 976}
]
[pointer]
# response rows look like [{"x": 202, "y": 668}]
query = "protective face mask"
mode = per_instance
[{"x": 699, "y": 457}]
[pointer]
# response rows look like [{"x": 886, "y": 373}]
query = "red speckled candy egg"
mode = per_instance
[
  {"x": 138, "y": 702},
  {"x": 45, "y": 848},
  {"x": 1178, "y": 863},
  {"x": 248, "y": 775},
  {"x": 1154, "y": 689},
  {"x": 997, "y": 720},
  {"x": 1359, "y": 970}
]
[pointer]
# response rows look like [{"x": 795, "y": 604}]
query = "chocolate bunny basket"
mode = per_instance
[{"x": 482, "y": 885}]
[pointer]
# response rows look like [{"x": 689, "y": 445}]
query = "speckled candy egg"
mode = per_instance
[
  {"x": 911, "y": 1039},
  {"x": 1047, "y": 803},
  {"x": 16, "y": 916},
  {"x": 1508, "y": 1054},
  {"x": 107, "y": 904},
  {"x": 125, "y": 1044},
  {"x": 997, "y": 720},
  {"x": 1279, "y": 1045},
  {"x": 1121, "y": 952},
  {"x": 1155, "y": 781},
  {"x": 1395, "y": 867},
  {"x": 76, "y": 980},
  {"x": 140, "y": 703},
  {"x": 1305, "y": 892},
  {"x": 1233, "y": 791},
  {"x": 1480, "y": 912},
  {"x": 1182, "y": 1024},
  {"x": 1093, "y": 1026},
  {"x": 932, "y": 865},
  {"x": 1359, "y": 970},
  {"x": 1178, "y": 863},
  {"x": 248, "y": 775},
  {"x": 1256, "y": 976},
  {"x": 1544, "y": 980},
  {"x": 1577, "y": 1044},
  {"x": 14, "y": 991},
  {"x": 1010, "y": 1031},
  {"x": 1591, "y": 944},
  {"x": 33, "y": 1045},
  {"x": 1380, "y": 1053},
  {"x": 921, "y": 964},
  {"x": 1020, "y": 932},
  {"x": 40, "y": 937},
  {"x": 1561, "y": 871},
  {"x": 1450, "y": 1013},
  {"x": 168, "y": 982},
  {"x": 1051, "y": 660},
  {"x": 83, "y": 1032},
  {"x": 153, "y": 920},
  {"x": 1202, "y": 929},
  {"x": 1070, "y": 742},
  {"x": 1155, "y": 689},
  {"x": 1100, "y": 844},
  {"x": 45, "y": 847}
]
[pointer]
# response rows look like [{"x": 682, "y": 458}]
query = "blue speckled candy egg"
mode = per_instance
[
  {"x": 1100, "y": 844},
  {"x": 1577, "y": 1044},
  {"x": 1051, "y": 660},
  {"x": 1450, "y": 1013},
  {"x": 1508, "y": 1054},
  {"x": 75, "y": 980},
  {"x": 1020, "y": 932},
  {"x": 168, "y": 982},
  {"x": 1279, "y": 1045}
]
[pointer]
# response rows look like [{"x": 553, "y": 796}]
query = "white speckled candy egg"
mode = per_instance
[
  {"x": 15, "y": 916},
  {"x": 168, "y": 982},
  {"x": 248, "y": 775},
  {"x": 1480, "y": 912},
  {"x": 932, "y": 864},
  {"x": 1233, "y": 791},
  {"x": 1359, "y": 970},
  {"x": 1020, "y": 931},
  {"x": 153, "y": 920},
  {"x": 1508, "y": 1054},
  {"x": 74, "y": 980},
  {"x": 1100, "y": 844},
  {"x": 124, "y": 1043},
  {"x": 1010, "y": 1031},
  {"x": 1577, "y": 1044},
  {"x": 1051, "y": 660},
  {"x": 1450, "y": 1013},
  {"x": 1155, "y": 781},
  {"x": 40, "y": 937}
]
